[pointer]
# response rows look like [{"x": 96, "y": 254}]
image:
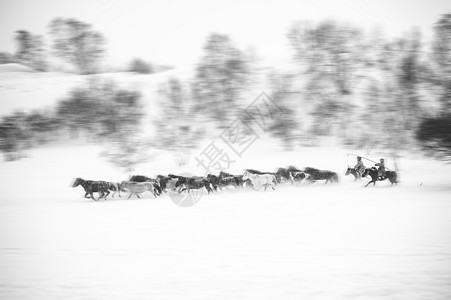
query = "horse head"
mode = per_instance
[
  {"x": 348, "y": 171},
  {"x": 77, "y": 182},
  {"x": 181, "y": 180},
  {"x": 368, "y": 171}
]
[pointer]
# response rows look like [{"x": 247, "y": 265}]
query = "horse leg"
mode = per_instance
[
  {"x": 130, "y": 195},
  {"x": 107, "y": 193},
  {"x": 369, "y": 183}
]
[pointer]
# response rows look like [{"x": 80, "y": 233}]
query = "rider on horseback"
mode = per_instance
[
  {"x": 359, "y": 167},
  {"x": 381, "y": 169}
]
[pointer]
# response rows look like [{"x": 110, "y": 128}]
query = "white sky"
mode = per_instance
[{"x": 173, "y": 31}]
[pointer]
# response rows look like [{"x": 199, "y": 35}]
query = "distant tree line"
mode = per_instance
[
  {"x": 99, "y": 110},
  {"x": 369, "y": 90},
  {"x": 366, "y": 90},
  {"x": 71, "y": 40}
]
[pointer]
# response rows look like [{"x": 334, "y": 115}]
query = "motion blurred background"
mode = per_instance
[
  {"x": 107, "y": 89},
  {"x": 169, "y": 75}
]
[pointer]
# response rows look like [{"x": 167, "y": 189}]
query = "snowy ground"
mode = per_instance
[{"x": 298, "y": 242}]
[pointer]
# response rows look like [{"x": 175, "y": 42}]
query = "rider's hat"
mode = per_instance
[
  {"x": 382, "y": 159},
  {"x": 358, "y": 157}
]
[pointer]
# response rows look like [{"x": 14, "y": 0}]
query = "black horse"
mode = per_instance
[
  {"x": 316, "y": 175},
  {"x": 214, "y": 181},
  {"x": 354, "y": 173},
  {"x": 90, "y": 187},
  {"x": 392, "y": 176},
  {"x": 193, "y": 183},
  {"x": 293, "y": 169},
  {"x": 167, "y": 182},
  {"x": 238, "y": 178},
  {"x": 283, "y": 173},
  {"x": 252, "y": 171},
  {"x": 228, "y": 181}
]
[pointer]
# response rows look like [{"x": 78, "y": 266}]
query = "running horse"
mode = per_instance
[
  {"x": 261, "y": 179},
  {"x": 137, "y": 188},
  {"x": 283, "y": 173},
  {"x": 193, "y": 183},
  {"x": 316, "y": 175},
  {"x": 91, "y": 186},
  {"x": 354, "y": 173},
  {"x": 392, "y": 176}
]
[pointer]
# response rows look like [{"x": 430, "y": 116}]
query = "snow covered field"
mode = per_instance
[{"x": 298, "y": 242}]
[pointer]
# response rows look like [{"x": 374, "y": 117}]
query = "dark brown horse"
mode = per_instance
[
  {"x": 316, "y": 175},
  {"x": 193, "y": 183},
  {"x": 91, "y": 186},
  {"x": 392, "y": 176},
  {"x": 283, "y": 173}
]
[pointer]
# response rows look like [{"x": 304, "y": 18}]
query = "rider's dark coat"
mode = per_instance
[{"x": 381, "y": 169}]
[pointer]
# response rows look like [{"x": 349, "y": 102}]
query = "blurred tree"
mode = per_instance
[
  {"x": 285, "y": 124},
  {"x": 333, "y": 56},
  {"x": 13, "y": 135},
  {"x": 176, "y": 127},
  {"x": 77, "y": 111},
  {"x": 101, "y": 110},
  {"x": 6, "y": 58},
  {"x": 221, "y": 75},
  {"x": 441, "y": 57},
  {"x": 138, "y": 65},
  {"x": 331, "y": 52},
  {"x": 75, "y": 42},
  {"x": 399, "y": 104},
  {"x": 434, "y": 132},
  {"x": 434, "y": 135},
  {"x": 30, "y": 50},
  {"x": 42, "y": 126}
]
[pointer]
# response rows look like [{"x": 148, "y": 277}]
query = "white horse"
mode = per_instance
[{"x": 260, "y": 179}]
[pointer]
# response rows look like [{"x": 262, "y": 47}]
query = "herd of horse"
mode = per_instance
[{"x": 138, "y": 184}]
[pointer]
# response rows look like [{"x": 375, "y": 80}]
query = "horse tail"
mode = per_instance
[{"x": 335, "y": 177}]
